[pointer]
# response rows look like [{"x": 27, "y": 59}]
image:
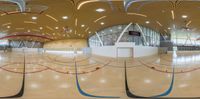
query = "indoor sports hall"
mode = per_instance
[{"x": 99, "y": 49}]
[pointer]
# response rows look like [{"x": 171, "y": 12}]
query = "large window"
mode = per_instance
[
  {"x": 185, "y": 37},
  {"x": 3, "y": 42},
  {"x": 110, "y": 35}
]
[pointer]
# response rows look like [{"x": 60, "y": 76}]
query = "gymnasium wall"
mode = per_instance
[
  {"x": 75, "y": 43},
  {"x": 111, "y": 51}
]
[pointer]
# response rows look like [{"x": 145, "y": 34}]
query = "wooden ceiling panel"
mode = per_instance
[{"x": 82, "y": 12}]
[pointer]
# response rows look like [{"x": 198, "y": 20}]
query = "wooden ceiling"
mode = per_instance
[{"x": 49, "y": 23}]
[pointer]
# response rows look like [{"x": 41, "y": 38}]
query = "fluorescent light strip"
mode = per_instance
[
  {"x": 173, "y": 16},
  {"x": 13, "y": 12},
  {"x": 138, "y": 14},
  {"x": 36, "y": 30},
  {"x": 188, "y": 23},
  {"x": 76, "y": 22},
  {"x": 30, "y": 22},
  {"x": 165, "y": 31},
  {"x": 49, "y": 28},
  {"x": 6, "y": 24},
  {"x": 86, "y": 29},
  {"x": 100, "y": 18},
  {"x": 159, "y": 23},
  {"x": 3, "y": 14},
  {"x": 85, "y": 2},
  {"x": 91, "y": 1},
  {"x": 51, "y": 17},
  {"x": 19, "y": 28}
]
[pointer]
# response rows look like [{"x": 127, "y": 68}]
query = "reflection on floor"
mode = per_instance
[{"x": 53, "y": 76}]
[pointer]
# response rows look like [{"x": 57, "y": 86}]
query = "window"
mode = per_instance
[{"x": 110, "y": 35}]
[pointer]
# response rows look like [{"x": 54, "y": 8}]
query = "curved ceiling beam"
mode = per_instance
[
  {"x": 127, "y": 3},
  {"x": 20, "y": 3},
  {"x": 143, "y": 4}
]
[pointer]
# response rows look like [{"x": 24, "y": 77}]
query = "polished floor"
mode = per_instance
[{"x": 68, "y": 76}]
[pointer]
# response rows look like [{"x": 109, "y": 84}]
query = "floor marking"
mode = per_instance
[
  {"x": 21, "y": 92},
  {"x": 86, "y": 94},
  {"x": 132, "y": 95},
  {"x": 176, "y": 72},
  {"x": 54, "y": 59}
]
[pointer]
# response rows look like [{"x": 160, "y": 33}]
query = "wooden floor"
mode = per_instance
[{"x": 53, "y": 76}]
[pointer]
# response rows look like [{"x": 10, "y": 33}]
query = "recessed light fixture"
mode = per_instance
[
  {"x": 102, "y": 23},
  {"x": 29, "y": 30},
  {"x": 100, "y": 10},
  {"x": 82, "y": 25},
  {"x": 34, "y": 18},
  {"x": 41, "y": 28},
  {"x": 56, "y": 28},
  {"x": 147, "y": 22},
  {"x": 184, "y": 16},
  {"x": 70, "y": 30},
  {"x": 169, "y": 28},
  {"x": 89, "y": 32},
  {"x": 65, "y": 17},
  {"x": 8, "y": 27}
]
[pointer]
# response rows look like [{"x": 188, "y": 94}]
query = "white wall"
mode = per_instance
[
  {"x": 140, "y": 51},
  {"x": 108, "y": 51},
  {"x": 26, "y": 49},
  {"x": 111, "y": 51}
]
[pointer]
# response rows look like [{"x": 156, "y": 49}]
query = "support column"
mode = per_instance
[
  {"x": 99, "y": 39},
  {"x": 119, "y": 38}
]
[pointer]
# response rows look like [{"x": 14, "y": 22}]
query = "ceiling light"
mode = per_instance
[
  {"x": 82, "y": 25},
  {"x": 184, "y": 16},
  {"x": 89, "y": 32},
  {"x": 102, "y": 23},
  {"x": 169, "y": 28},
  {"x": 56, "y": 28},
  {"x": 65, "y": 17},
  {"x": 8, "y": 27},
  {"x": 70, "y": 30},
  {"x": 41, "y": 28},
  {"x": 100, "y": 10},
  {"x": 34, "y": 18},
  {"x": 147, "y": 22},
  {"x": 29, "y": 30}
]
